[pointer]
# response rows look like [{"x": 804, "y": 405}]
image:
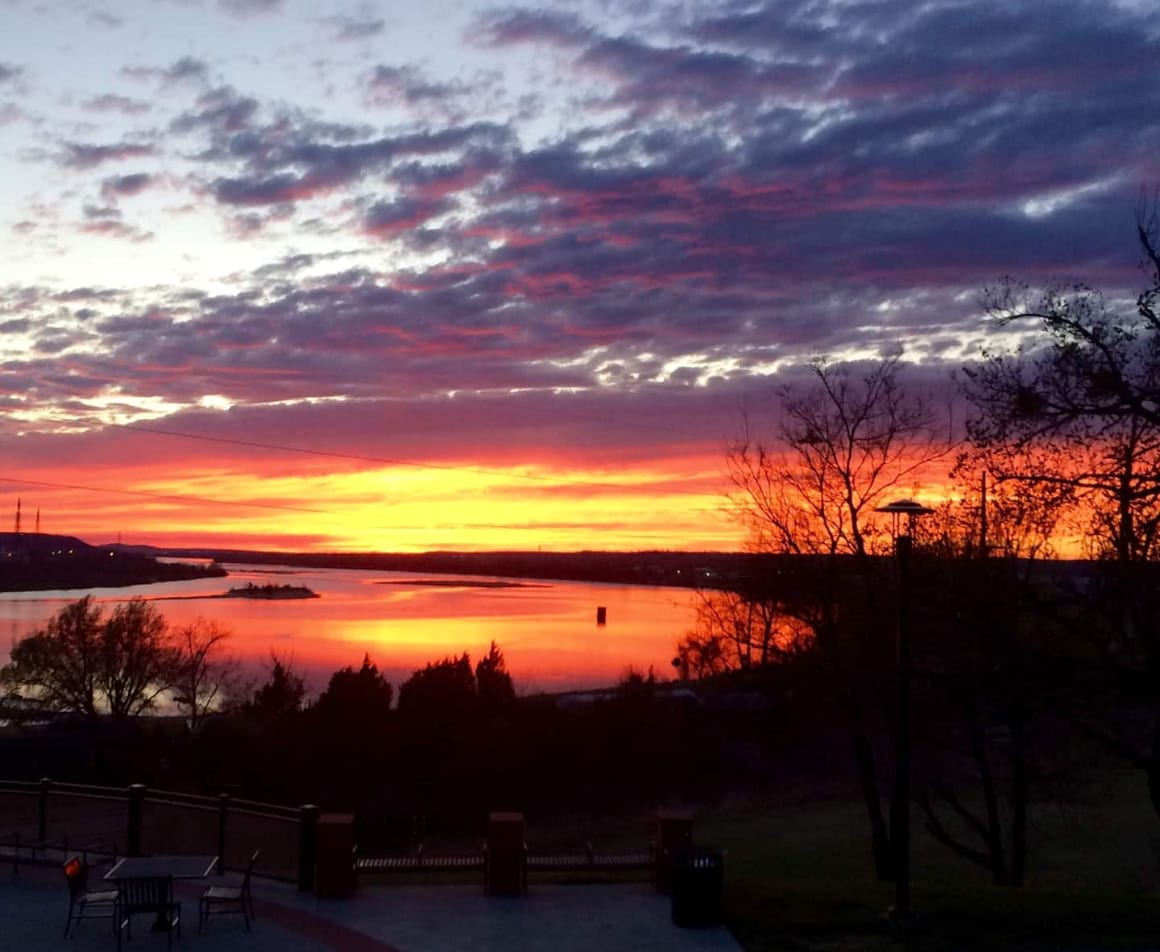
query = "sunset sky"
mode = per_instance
[{"x": 387, "y": 276}]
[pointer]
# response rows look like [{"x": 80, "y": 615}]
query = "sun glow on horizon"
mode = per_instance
[{"x": 388, "y": 508}]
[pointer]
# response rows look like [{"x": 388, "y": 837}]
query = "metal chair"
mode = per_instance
[
  {"x": 86, "y": 904},
  {"x": 152, "y": 895},
  {"x": 220, "y": 900}
]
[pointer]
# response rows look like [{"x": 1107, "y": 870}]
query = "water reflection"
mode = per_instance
[{"x": 547, "y": 630}]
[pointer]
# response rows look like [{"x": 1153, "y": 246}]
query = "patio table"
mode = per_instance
[{"x": 161, "y": 867}]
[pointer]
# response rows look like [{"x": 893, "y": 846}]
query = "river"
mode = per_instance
[{"x": 547, "y": 629}]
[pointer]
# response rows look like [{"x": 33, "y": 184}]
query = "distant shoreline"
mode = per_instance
[{"x": 667, "y": 569}]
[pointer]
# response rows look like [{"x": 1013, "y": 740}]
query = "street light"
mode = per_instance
[{"x": 901, "y": 914}]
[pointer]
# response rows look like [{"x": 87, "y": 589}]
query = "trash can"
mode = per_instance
[{"x": 698, "y": 888}]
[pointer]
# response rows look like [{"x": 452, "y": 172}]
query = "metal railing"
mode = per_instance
[{"x": 40, "y": 820}]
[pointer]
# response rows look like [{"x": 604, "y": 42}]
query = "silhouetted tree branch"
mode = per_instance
[{"x": 842, "y": 442}]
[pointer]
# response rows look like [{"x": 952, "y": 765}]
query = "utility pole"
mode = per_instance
[{"x": 983, "y": 519}]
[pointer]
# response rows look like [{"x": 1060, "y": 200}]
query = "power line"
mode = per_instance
[
  {"x": 356, "y": 457},
  {"x": 384, "y": 460},
  {"x": 308, "y": 451},
  {"x": 151, "y": 495}
]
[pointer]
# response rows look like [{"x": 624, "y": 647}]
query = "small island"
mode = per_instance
[{"x": 250, "y": 590}]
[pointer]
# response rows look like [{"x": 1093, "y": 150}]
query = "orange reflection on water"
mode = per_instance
[{"x": 547, "y": 630}]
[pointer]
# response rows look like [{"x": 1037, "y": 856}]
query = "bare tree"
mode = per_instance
[
  {"x": 987, "y": 669},
  {"x": 84, "y": 663},
  {"x": 1078, "y": 407},
  {"x": 1076, "y": 411},
  {"x": 62, "y": 663},
  {"x": 143, "y": 663},
  {"x": 843, "y": 442},
  {"x": 204, "y": 674},
  {"x": 744, "y": 626}
]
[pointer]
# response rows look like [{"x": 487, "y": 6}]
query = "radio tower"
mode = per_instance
[
  {"x": 38, "y": 520},
  {"x": 18, "y": 515}
]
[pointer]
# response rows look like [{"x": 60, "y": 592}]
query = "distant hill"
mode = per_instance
[
  {"x": 41, "y": 544},
  {"x": 151, "y": 551},
  {"x": 37, "y": 562}
]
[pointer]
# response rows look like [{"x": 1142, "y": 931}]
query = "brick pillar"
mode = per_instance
[
  {"x": 334, "y": 876},
  {"x": 504, "y": 874}
]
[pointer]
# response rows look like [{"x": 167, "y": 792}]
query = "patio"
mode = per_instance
[{"x": 391, "y": 918}]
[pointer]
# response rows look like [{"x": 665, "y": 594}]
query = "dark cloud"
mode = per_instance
[
  {"x": 390, "y": 219},
  {"x": 120, "y": 185},
  {"x": 405, "y": 85},
  {"x": 513, "y": 27},
  {"x": 9, "y": 73},
  {"x": 290, "y": 165},
  {"x": 649, "y": 77},
  {"x": 185, "y": 69},
  {"x": 86, "y": 156},
  {"x": 222, "y": 111},
  {"x": 101, "y": 212},
  {"x": 107, "y": 221},
  {"x": 248, "y": 8},
  {"x": 125, "y": 105},
  {"x": 246, "y": 225},
  {"x": 107, "y": 20},
  {"x": 274, "y": 190},
  {"x": 350, "y": 27}
]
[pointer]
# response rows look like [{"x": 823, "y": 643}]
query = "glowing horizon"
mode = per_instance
[{"x": 389, "y": 510}]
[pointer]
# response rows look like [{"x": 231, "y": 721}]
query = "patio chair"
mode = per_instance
[
  {"x": 154, "y": 896},
  {"x": 86, "y": 904},
  {"x": 220, "y": 900}
]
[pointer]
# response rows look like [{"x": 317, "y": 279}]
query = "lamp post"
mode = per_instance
[{"x": 901, "y": 914}]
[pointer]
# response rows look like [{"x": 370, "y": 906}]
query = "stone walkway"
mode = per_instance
[{"x": 560, "y": 918}]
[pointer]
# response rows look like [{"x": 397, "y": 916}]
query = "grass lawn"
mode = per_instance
[{"x": 800, "y": 877}]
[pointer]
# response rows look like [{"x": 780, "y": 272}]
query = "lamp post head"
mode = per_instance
[{"x": 904, "y": 507}]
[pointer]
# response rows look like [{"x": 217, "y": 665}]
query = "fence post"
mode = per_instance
[
  {"x": 223, "y": 812},
  {"x": 307, "y": 845},
  {"x": 136, "y": 809},
  {"x": 42, "y": 811}
]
